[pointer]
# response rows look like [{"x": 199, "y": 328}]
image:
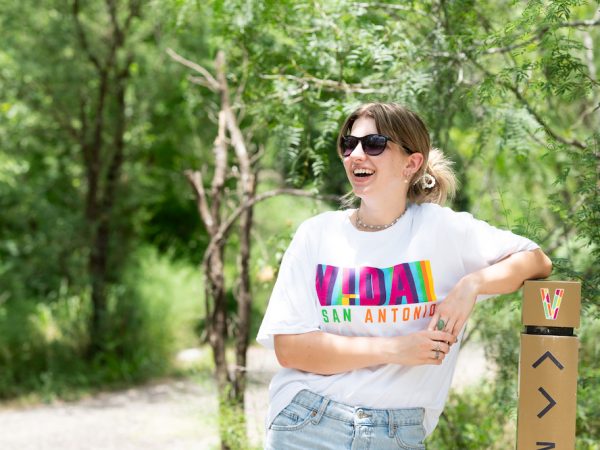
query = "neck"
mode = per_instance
[{"x": 380, "y": 214}]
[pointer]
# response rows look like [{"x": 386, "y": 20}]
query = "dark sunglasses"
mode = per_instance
[{"x": 372, "y": 144}]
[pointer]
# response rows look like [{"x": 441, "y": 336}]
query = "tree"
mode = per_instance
[
  {"x": 101, "y": 139},
  {"x": 212, "y": 209}
]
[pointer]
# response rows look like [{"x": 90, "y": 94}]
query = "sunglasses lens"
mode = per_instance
[
  {"x": 349, "y": 143},
  {"x": 374, "y": 144}
]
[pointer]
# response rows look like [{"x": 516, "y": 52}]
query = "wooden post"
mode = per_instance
[{"x": 548, "y": 366}]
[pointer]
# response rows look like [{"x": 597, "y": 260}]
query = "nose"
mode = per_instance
[{"x": 358, "y": 152}]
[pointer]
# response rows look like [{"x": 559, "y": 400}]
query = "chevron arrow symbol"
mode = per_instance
[
  {"x": 552, "y": 358},
  {"x": 548, "y": 445},
  {"x": 551, "y": 402}
]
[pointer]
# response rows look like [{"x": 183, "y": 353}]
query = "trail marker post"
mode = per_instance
[{"x": 548, "y": 366}]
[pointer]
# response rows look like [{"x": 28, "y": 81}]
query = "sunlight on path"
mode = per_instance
[{"x": 168, "y": 415}]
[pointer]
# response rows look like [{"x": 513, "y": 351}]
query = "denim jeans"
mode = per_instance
[{"x": 313, "y": 422}]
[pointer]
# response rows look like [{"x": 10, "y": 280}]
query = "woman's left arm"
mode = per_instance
[{"x": 503, "y": 277}]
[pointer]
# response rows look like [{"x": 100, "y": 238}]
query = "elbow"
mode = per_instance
[
  {"x": 547, "y": 266},
  {"x": 544, "y": 265},
  {"x": 282, "y": 351}
]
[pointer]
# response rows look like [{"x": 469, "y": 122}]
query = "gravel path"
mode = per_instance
[{"x": 165, "y": 415}]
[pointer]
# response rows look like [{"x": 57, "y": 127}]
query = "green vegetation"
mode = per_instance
[
  {"x": 100, "y": 239},
  {"x": 154, "y": 312}
]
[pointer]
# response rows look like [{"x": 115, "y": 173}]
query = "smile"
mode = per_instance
[{"x": 363, "y": 172}]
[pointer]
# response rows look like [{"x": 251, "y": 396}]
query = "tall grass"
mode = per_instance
[{"x": 152, "y": 314}]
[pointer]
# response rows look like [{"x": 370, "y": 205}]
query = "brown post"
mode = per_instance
[{"x": 548, "y": 366}]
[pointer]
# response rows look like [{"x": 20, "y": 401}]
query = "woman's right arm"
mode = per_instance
[{"x": 327, "y": 354}]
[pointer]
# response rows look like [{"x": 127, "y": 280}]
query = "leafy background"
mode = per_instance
[{"x": 509, "y": 90}]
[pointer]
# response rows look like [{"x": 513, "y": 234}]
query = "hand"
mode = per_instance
[
  {"x": 452, "y": 314},
  {"x": 422, "y": 347}
]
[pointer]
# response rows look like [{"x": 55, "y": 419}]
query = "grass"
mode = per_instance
[{"x": 152, "y": 315}]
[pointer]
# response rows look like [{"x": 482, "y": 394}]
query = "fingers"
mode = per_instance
[
  {"x": 438, "y": 322},
  {"x": 439, "y": 347},
  {"x": 434, "y": 321},
  {"x": 443, "y": 336},
  {"x": 447, "y": 323},
  {"x": 438, "y": 354}
]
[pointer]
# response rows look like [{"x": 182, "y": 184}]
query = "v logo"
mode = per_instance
[{"x": 551, "y": 308}]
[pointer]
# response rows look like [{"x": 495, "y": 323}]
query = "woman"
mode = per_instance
[{"x": 367, "y": 313}]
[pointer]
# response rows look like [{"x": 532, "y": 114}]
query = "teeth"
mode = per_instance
[{"x": 363, "y": 172}]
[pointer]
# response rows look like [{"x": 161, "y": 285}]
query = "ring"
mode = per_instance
[
  {"x": 437, "y": 354},
  {"x": 441, "y": 323}
]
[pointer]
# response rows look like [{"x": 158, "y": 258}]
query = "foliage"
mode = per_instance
[
  {"x": 509, "y": 90},
  {"x": 153, "y": 312},
  {"x": 472, "y": 420}
]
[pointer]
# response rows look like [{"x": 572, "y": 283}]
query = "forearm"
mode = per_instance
[
  {"x": 509, "y": 274},
  {"x": 327, "y": 354}
]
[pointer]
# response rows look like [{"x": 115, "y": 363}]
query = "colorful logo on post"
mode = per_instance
[{"x": 551, "y": 308}]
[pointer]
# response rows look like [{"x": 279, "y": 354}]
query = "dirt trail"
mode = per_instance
[{"x": 167, "y": 415}]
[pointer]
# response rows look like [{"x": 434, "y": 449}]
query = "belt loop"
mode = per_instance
[
  {"x": 391, "y": 423},
  {"x": 319, "y": 414}
]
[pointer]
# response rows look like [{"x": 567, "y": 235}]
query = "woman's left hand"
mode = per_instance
[{"x": 456, "y": 308}]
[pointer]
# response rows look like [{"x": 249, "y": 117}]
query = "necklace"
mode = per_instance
[{"x": 361, "y": 224}]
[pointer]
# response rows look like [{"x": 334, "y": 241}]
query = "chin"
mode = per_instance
[{"x": 358, "y": 190}]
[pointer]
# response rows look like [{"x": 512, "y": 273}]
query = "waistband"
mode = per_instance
[{"x": 357, "y": 415}]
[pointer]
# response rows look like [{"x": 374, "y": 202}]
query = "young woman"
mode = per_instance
[{"x": 367, "y": 313}]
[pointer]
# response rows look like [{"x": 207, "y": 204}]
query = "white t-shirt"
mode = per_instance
[{"x": 340, "y": 280}]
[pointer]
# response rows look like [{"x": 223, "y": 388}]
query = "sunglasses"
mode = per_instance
[{"x": 372, "y": 144}]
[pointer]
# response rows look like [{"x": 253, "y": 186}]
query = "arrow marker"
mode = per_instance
[
  {"x": 548, "y": 445},
  {"x": 552, "y": 358},
  {"x": 551, "y": 403}
]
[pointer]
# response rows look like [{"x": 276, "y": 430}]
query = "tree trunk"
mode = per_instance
[
  {"x": 217, "y": 328},
  {"x": 244, "y": 299},
  {"x": 103, "y": 145}
]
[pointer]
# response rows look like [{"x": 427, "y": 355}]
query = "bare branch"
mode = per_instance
[
  {"x": 226, "y": 225},
  {"x": 195, "y": 179},
  {"x": 201, "y": 81},
  {"x": 210, "y": 80},
  {"x": 259, "y": 154},
  {"x": 237, "y": 139},
  {"x": 220, "y": 152}
]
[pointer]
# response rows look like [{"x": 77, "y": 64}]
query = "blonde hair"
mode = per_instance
[{"x": 406, "y": 129}]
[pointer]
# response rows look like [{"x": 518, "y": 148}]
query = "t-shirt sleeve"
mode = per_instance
[
  {"x": 292, "y": 308},
  {"x": 485, "y": 245}
]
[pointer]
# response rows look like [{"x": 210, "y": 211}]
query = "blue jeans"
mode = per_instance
[{"x": 313, "y": 422}]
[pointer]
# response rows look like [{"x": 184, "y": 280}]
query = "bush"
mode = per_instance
[{"x": 151, "y": 315}]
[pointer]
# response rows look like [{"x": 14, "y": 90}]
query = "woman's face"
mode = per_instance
[{"x": 380, "y": 177}]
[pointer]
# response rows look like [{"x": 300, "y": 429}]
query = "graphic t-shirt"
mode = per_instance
[{"x": 340, "y": 280}]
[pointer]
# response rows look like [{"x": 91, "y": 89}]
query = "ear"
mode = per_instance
[{"x": 414, "y": 162}]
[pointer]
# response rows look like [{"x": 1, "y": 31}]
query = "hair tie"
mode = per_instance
[{"x": 427, "y": 181}]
